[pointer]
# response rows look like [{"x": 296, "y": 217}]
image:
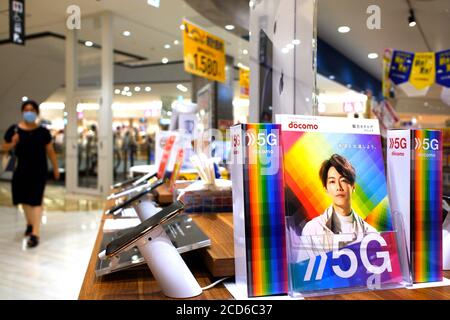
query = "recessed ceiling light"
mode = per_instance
[
  {"x": 296, "y": 42},
  {"x": 412, "y": 24},
  {"x": 372, "y": 55},
  {"x": 349, "y": 86},
  {"x": 165, "y": 60},
  {"x": 24, "y": 98},
  {"x": 88, "y": 43},
  {"x": 148, "y": 89},
  {"x": 182, "y": 27},
  {"x": 126, "y": 89},
  {"x": 229, "y": 27},
  {"x": 167, "y": 46},
  {"x": 344, "y": 29},
  {"x": 124, "y": 93},
  {"x": 331, "y": 77},
  {"x": 245, "y": 51},
  {"x": 182, "y": 88},
  {"x": 285, "y": 50},
  {"x": 137, "y": 89},
  {"x": 117, "y": 91},
  {"x": 290, "y": 46},
  {"x": 126, "y": 33},
  {"x": 153, "y": 3},
  {"x": 129, "y": 93},
  {"x": 176, "y": 42}
]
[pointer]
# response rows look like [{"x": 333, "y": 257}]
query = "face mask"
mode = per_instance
[{"x": 29, "y": 116}]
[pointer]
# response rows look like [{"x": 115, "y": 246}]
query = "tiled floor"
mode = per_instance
[{"x": 56, "y": 268}]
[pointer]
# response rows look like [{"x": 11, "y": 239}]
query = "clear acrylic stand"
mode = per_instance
[{"x": 346, "y": 263}]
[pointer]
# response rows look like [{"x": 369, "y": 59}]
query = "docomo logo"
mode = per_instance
[
  {"x": 304, "y": 126},
  {"x": 397, "y": 143}
]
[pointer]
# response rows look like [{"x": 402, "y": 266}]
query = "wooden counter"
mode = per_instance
[{"x": 139, "y": 284}]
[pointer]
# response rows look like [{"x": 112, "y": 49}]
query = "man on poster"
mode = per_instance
[{"x": 338, "y": 178}]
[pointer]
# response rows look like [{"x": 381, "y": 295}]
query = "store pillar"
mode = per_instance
[
  {"x": 71, "y": 109},
  {"x": 105, "y": 114}
]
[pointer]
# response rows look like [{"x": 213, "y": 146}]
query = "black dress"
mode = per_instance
[{"x": 30, "y": 176}]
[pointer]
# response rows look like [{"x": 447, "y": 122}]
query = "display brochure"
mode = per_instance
[
  {"x": 341, "y": 233},
  {"x": 182, "y": 231},
  {"x": 414, "y": 160},
  {"x": 258, "y": 210}
]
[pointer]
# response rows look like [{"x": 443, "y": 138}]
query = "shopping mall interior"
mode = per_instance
[{"x": 113, "y": 77}]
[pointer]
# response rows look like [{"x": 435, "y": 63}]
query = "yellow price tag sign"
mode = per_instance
[
  {"x": 204, "y": 53},
  {"x": 423, "y": 71},
  {"x": 244, "y": 82}
]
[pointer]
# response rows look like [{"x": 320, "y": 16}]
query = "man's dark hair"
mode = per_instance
[
  {"x": 32, "y": 103},
  {"x": 342, "y": 165}
]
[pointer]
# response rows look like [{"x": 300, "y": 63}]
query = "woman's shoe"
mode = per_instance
[
  {"x": 29, "y": 230},
  {"x": 33, "y": 241}
]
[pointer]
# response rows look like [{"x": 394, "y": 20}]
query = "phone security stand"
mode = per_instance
[
  {"x": 163, "y": 259},
  {"x": 147, "y": 190},
  {"x": 131, "y": 186}
]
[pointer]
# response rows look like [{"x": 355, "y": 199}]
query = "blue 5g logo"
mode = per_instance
[{"x": 261, "y": 139}]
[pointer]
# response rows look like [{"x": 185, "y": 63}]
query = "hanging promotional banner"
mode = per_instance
[
  {"x": 401, "y": 67},
  {"x": 387, "y": 85},
  {"x": 204, "y": 53},
  {"x": 244, "y": 82},
  {"x": 17, "y": 21},
  {"x": 423, "y": 70},
  {"x": 443, "y": 68}
]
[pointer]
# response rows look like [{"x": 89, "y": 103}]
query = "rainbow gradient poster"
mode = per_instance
[
  {"x": 340, "y": 228},
  {"x": 258, "y": 210},
  {"x": 415, "y": 185}
]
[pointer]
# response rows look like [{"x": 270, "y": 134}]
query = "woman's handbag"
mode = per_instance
[{"x": 9, "y": 161}]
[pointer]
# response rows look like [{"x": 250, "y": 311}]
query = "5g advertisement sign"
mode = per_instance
[{"x": 371, "y": 262}]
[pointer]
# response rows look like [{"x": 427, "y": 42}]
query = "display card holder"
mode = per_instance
[{"x": 345, "y": 263}]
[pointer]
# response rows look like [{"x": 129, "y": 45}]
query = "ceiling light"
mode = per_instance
[
  {"x": 137, "y": 89},
  {"x": 331, "y": 77},
  {"x": 182, "y": 27},
  {"x": 290, "y": 46},
  {"x": 182, "y": 88},
  {"x": 148, "y": 89},
  {"x": 412, "y": 19},
  {"x": 129, "y": 94},
  {"x": 344, "y": 29},
  {"x": 153, "y": 3},
  {"x": 229, "y": 27},
  {"x": 296, "y": 42},
  {"x": 126, "y": 33},
  {"x": 24, "y": 98},
  {"x": 372, "y": 55},
  {"x": 117, "y": 91},
  {"x": 165, "y": 60},
  {"x": 126, "y": 89},
  {"x": 88, "y": 43},
  {"x": 251, "y": 4},
  {"x": 176, "y": 42},
  {"x": 349, "y": 86},
  {"x": 124, "y": 93},
  {"x": 243, "y": 66},
  {"x": 167, "y": 46},
  {"x": 285, "y": 50},
  {"x": 245, "y": 51}
]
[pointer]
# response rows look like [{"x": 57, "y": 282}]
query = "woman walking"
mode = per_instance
[{"x": 31, "y": 143}]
